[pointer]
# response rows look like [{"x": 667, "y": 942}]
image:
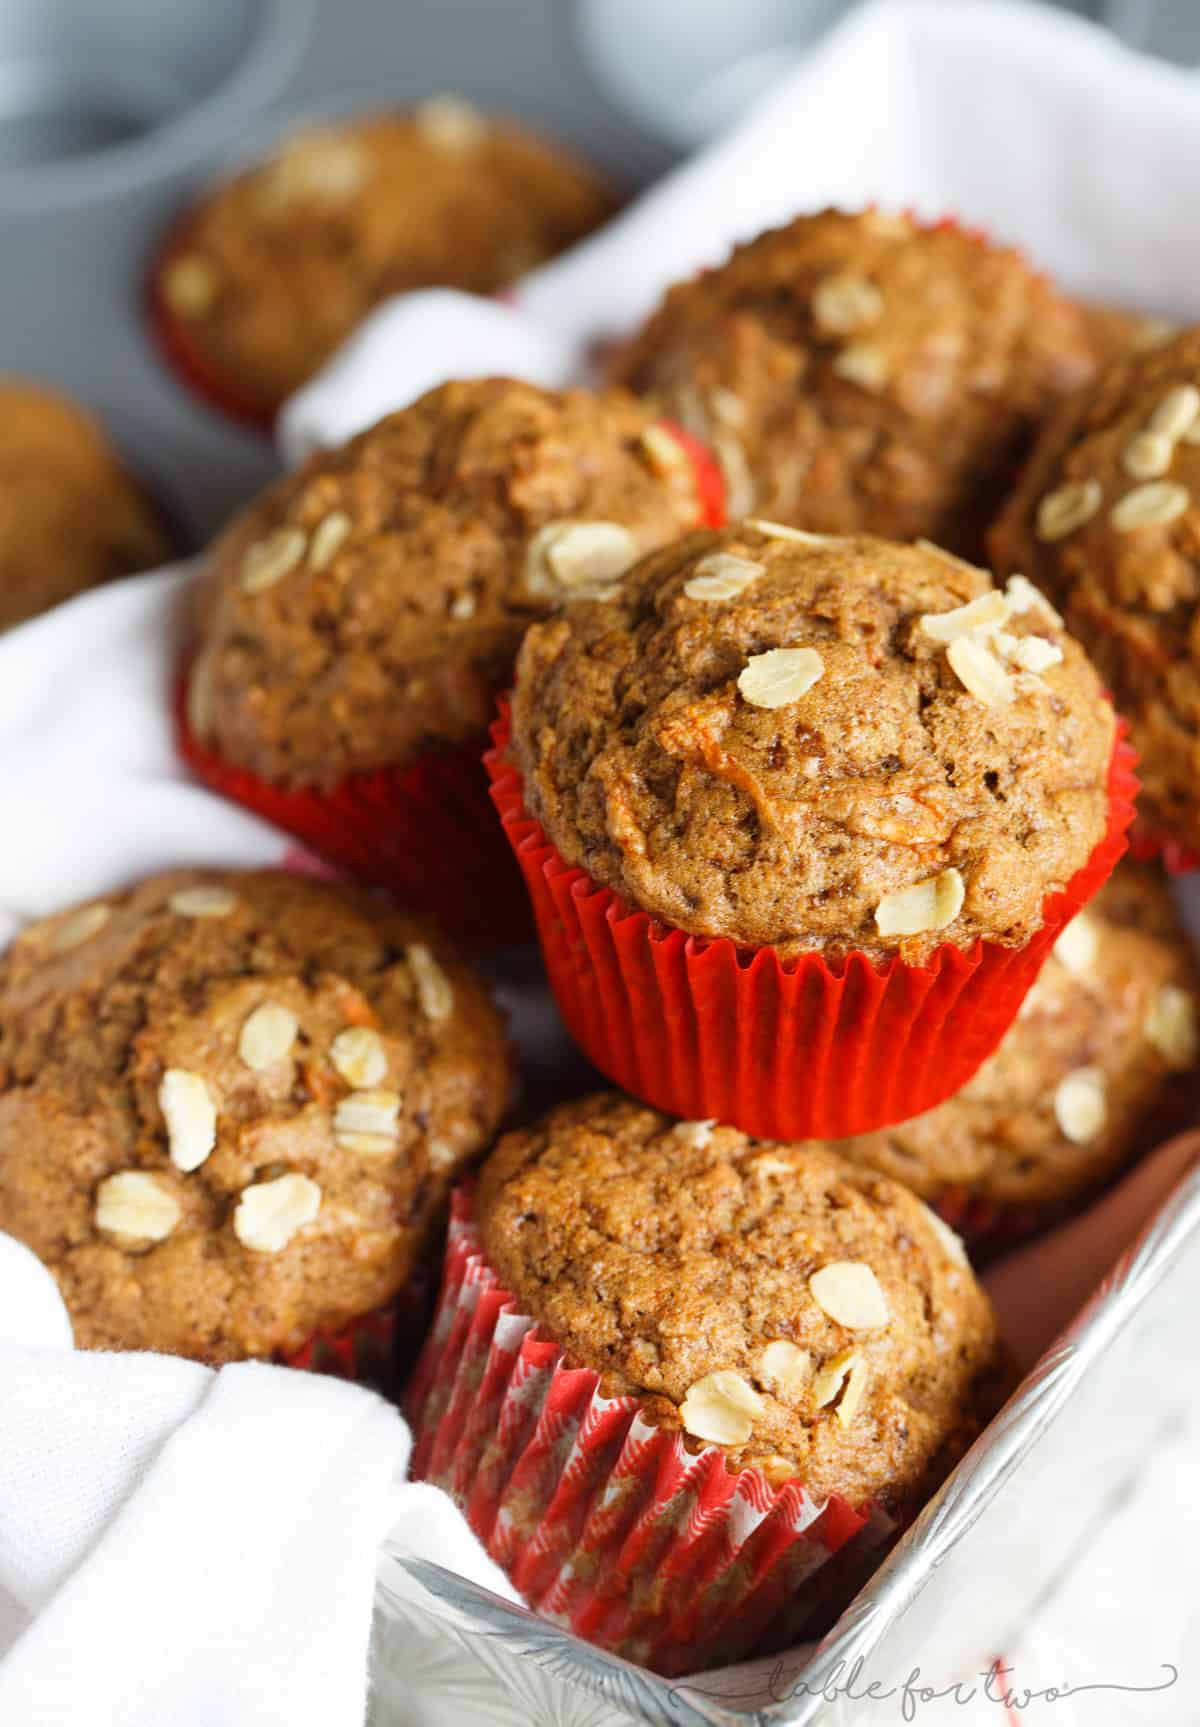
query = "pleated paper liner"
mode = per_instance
[
  {"x": 426, "y": 832},
  {"x": 605, "y": 1524},
  {"x": 784, "y": 1049},
  {"x": 363, "y": 1351}
]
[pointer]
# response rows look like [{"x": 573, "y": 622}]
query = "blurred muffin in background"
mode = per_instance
[
  {"x": 271, "y": 270},
  {"x": 864, "y": 373},
  {"x": 71, "y": 516},
  {"x": 1091, "y": 1073}
]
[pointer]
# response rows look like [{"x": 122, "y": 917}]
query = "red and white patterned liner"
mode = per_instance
[
  {"x": 606, "y": 1524},
  {"x": 784, "y": 1049},
  {"x": 363, "y": 1351}
]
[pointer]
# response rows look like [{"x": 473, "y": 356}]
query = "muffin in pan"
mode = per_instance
[
  {"x": 272, "y": 269},
  {"x": 1105, "y": 521},
  {"x": 1093, "y": 1070},
  {"x": 231, "y": 1106},
  {"x": 801, "y": 817},
  {"x": 355, "y": 622},
  {"x": 720, "y": 1322},
  {"x": 865, "y": 373},
  {"x": 71, "y": 516}
]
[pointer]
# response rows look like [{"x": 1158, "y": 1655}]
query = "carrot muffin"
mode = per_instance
[
  {"x": 817, "y": 744},
  {"x": 862, "y": 373},
  {"x": 274, "y": 268},
  {"x": 753, "y": 1306},
  {"x": 365, "y": 610},
  {"x": 70, "y": 515},
  {"x": 1105, "y": 521},
  {"x": 231, "y": 1106},
  {"x": 1088, "y": 1075},
  {"x": 667, "y": 1256}
]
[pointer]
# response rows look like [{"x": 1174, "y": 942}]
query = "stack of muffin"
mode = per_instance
[{"x": 815, "y": 821}]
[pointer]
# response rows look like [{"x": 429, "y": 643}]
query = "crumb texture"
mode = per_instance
[
  {"x": 818, "y": 1308},
  {"x": 367, "y": 608},
  {"x": 849, "y": 753},
  {"x": 1116, "y": 1002},
  {"x": 861, "y": 373},
  {"x": 231, "y": 1105},
  {"x": 1107, "y": 520}
]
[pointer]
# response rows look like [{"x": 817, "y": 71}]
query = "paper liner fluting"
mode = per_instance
[
  {"x": 784, "y": 1049},
  {"x": 427, "y": 832},
  {"x": 604, "y": 1523}
]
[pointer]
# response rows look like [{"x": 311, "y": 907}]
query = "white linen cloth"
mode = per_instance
[{"x": 180, "y": 1548}]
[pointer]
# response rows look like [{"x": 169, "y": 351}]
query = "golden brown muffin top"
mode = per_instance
[
  {"x": 1105, "y": 519},
  {"x": 809, "y": 743},
  {"x": 230, "y": 1106},
  {"x": 862, "y": 373},
  {"x": 807, "y": 1316},
  {"x": 70, "y": 515},
  {"x": 1087, "y": 1075},
  {"x": 275, "y": 267},
  {"x": 367, "y": 608}
]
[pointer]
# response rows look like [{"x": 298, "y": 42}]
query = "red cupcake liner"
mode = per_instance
[
  {"x": 363, "y": 1351},
  {"x": 1146, "y": 846},
  {"x": 426, "y": 832},
  {"x": 706, "y": 474},
  {"x": 784, "y": 1049},
  {"x": 605, "y": 1524}
]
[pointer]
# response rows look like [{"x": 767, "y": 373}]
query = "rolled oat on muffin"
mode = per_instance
[
  {"x": 71, "y": 516},
  {"x": 858, "y": 763},
  {"x": 231, "y": 1106},
  {"x": 709, "y": 1305},
  {"x": 272, "y": 269},
  {"x": 1093, "y": 1070},
  {"x": 1105, "y": 521},
  {"x": 360, "y": 616},
  {"x": 864, "y": 373}
]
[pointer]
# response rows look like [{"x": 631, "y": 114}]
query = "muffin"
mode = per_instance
[
  {"x": 71, "y": 517},
  {"x": 1104, "y": 521},
  {"x": 1089, "y": 1074},
  {"x": 862, "y": 373},
  {"x": 718, "y": 1322},
  {"x": 356, "y": 621},
  {"x": 273, "y": 269},
  {"x": 801, "y": 817},
  {"x": 231, "y": 1106}
]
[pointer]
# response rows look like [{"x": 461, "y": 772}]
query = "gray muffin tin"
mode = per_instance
[{"x": 114, "y": 112}]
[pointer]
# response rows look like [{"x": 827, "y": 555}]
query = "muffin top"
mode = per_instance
[
  {"x": 70, "y": 515},
  {"x": 1105, "y": 520},
  {"x": 864, "y": 373},
  {"x": 1086, "y": 1075},
  {"x": 366, "y": 609},
  {"x": 275, "y": 267},
  {"x": 817, "y": 744},
  {"x": 812, "y": 1318},
  {"x": 230, "y": 1106}
]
